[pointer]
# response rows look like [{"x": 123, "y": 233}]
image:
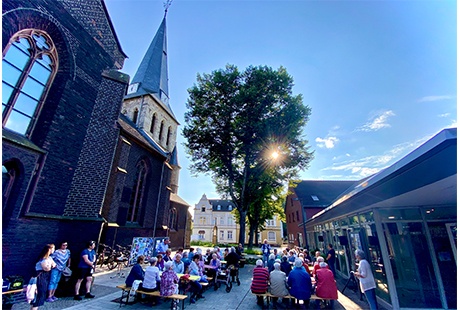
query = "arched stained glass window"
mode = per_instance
[
  {"x": 137, "y": 192},
  {"x": 29, "y": 65},
  {"x": 173, "y": 219}
]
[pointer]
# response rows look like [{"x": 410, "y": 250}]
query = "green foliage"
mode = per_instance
[
  {"x": 233, "y": 124},
  {"x": 253, "y": 251},
  {"x": 202, "y": 243}
]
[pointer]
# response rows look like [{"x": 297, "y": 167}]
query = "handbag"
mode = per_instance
[
  {"x": 31, "y": 290},
  {"x": 67, "y": 272}
]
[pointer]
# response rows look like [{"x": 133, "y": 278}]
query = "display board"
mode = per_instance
[{"x": 144, "y": 246}]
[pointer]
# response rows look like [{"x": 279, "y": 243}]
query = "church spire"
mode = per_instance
[{"x": 152, "y": 75}]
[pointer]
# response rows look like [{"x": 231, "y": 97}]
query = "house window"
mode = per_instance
[
  {"x": 168, "y": 136},
  {"x": 218, "y": 208},
  {"x": 203, "y": 209},
  {"x": 173, "y": 219},
  {"x": 229, "y": 208},
  {"x": 202, "y": 220},
  {"x": 229, "y": 235},
  {"x": 152, "y": 124},
  {"x": 270, "y": 222},
  {"x": 229, "y": 221},
  {"x": 201, "y": 234},
  {"x": 293, "y": 219},
  {"x": 221, "y": 235},
  {"x": 160, "y": 134},
  {"x": 271, "y": 236},
  {"x": 297, "y": 213},
  {"x": 221, "y": 220},
  {"x": 137, "y": 192},
  {"x": 314, "y": 197},
  {"x": 289, "y": 218},
  {"x": 29, "y": 66}
]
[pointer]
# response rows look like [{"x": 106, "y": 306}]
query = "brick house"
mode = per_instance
[{"x": 306, "y": 199}]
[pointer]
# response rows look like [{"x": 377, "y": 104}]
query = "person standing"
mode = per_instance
[
  {"x": 43, "y": 267},
  {"x": 366, "y": 279},
  {"x": 331, "y": 258},
  {"x": 85, "y": 270},
  {"x": 266, "y": 249},
  {"x": 163, "y": 246},
  {"x": 62, "y": 259}
]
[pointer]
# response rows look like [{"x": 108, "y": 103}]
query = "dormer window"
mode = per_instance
[
  {"x": 203, "y": 209},
  {"x": 218, "y": 207},
  {"x": 229, "y": 208},
  {"x": 314, "y": 197}
]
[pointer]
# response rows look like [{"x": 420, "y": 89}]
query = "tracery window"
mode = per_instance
[
  {"x": 30, "y": 62},
  {"x": 160, "y": 135},
  {"x": 168, "y": 136},
  {"x": 137, "y": 192}
]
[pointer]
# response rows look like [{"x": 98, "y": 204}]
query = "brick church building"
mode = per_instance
[{"x": 73, "y": 167}]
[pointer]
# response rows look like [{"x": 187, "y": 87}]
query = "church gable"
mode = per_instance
[{"x": 93, "y": 16}]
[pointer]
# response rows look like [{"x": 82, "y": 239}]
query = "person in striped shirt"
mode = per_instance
[{"x": 260, "y": 278}]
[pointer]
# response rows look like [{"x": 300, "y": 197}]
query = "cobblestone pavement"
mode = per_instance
[{"x": 239, "y": 297}]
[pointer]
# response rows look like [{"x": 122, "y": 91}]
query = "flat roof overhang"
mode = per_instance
[{"x": 426, "y": 176}]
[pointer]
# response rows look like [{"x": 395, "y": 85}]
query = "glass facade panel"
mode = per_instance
[
  {"x": 440, "y": 213},
  {"x": 446, "y": 260},
  {"x": 6, "y": 93},
  {"x": 18, "y": 122},
  {"x": 26, "y": 104},
  {"x": 411, "y": 265},
  {"x": 400, "y": 214}
]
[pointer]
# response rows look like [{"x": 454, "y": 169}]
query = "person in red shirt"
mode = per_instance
[
  {"x": 316, "y": 266},
  {"x": 260, "y": 278},
  {"x": 325, "y": 285}
]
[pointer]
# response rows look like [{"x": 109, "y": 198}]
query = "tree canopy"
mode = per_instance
[{"x": 245, "y": 129}]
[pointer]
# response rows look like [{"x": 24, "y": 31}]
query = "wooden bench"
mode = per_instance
[
  {"x": 127, "y": 289},
  {"x": 7, "y": 300},
  {"x": 269, "y": 296}
]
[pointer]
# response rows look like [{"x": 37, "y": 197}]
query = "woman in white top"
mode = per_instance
[
  {"x": 366, "y": 279},
  {"x": 151, "y": 277}
]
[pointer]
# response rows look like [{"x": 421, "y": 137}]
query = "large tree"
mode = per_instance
[{"x": 236, "y": 122}]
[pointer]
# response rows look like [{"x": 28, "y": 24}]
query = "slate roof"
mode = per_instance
[
  {"x": 321, "y": 193},
  {"x": 152, "y": 74},
  {"x": 224, "y": 205},
  {"x": 128, "y": 126},
  {"x": 177, "y": 199}
]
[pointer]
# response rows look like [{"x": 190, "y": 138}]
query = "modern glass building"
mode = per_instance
[{"x": 405, "y": 220}]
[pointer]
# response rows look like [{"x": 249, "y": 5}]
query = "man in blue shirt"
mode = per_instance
[{"x": 163, "y": 246}]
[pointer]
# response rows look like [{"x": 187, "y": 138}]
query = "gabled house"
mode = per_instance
[{"x": 306, "y": 199}]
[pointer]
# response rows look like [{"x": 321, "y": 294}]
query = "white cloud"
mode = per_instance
[
  {"x": 435, "y": 98},
  {"x": 444, "y": 115},
  {"x": 328, "y": 142},
  {"x": 378, "y": 122}
]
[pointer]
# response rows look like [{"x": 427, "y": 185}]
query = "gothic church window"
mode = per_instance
[
  {"x": 9, "y": 175},
  {"x": 30, "y": 63},
  {"x": 173, "y": 219},
  {"x": 137, "y": 192}
]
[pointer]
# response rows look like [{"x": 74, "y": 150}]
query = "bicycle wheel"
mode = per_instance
[{"x": 111, "y": 265}]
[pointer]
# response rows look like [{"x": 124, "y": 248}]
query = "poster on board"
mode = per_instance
[{"x": 144, "y": 246}]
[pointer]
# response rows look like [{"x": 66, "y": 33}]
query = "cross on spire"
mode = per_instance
[{"x": 167, "y": 4}]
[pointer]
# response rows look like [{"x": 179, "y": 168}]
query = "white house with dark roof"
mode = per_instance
[{"x": 214, "y": 221}]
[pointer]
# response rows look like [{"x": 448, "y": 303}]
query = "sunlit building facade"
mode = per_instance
[{"x": 405, "y": 220}]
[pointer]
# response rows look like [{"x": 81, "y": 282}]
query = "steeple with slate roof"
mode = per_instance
[{"x": 151, "y": 77}]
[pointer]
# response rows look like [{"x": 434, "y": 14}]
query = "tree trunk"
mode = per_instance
[
  {"x": 242, "y": 236},
  {"x": 251, "y": 236}
]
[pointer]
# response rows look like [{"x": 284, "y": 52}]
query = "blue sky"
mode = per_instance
[{"x": 379, "y": 76}]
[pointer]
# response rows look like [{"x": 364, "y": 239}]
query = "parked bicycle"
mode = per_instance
[{"x": 106, "y": 257}]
